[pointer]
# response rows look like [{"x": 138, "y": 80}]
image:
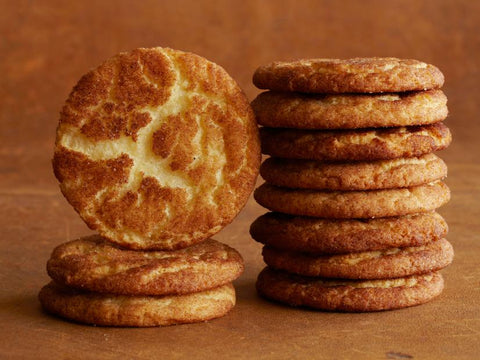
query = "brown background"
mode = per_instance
[{"x": 45, "y": 46}]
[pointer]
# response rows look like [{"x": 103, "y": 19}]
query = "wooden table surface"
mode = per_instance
[{"x": 46, "y": 46}]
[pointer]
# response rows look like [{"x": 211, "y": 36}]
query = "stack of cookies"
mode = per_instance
[
  {"x": 157, "y": 150},
  {"x": 352, "y": 182}
]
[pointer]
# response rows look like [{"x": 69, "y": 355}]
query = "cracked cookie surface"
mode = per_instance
[{"x": 157, "y": 149}]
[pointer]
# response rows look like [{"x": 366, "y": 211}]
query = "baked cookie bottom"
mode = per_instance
[
  {"x": 348, "y": 295},
  {"x": 136, "y": 311},
  {"x": 337, "y": 236}
]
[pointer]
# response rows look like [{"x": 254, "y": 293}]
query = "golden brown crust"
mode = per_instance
[
  {"x": 349, "y": 111},
  {"x": 331, "y": 236},
  {"x": 93, "y": 264},
  {"x": 384, "y": 264},
  {"x": 157, "y": 149},
  {"x": 381, "y": 174},
  {"x": 355, "y": 145},
  {"x": 349, "y": 295},
  {"x": 358, "y": 75},
  {"x": 136, "y": 311},
  {"x": 353, "y": 204}
]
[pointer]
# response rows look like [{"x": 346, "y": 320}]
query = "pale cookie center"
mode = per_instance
[{"x": 145, "y": 162}]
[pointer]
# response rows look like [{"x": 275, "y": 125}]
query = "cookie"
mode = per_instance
[
  {"x": 353, "y": 204},
  {"x": 157, "y": 149},
  {"x": 382, "y": 264},
  {"x": 136, "y": 311},
  {"x": 349, "y": 111},
  {"x": 355, "y": 145},
  {"x": 380, "y": 174},
  {"x": 94, "y": 264},
  {"x": 359, "y": 75},
  {"x": 333, "y": 236},
  {"x": 349, "y": 295}
]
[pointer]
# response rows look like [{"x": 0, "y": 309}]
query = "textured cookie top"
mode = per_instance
[
  {"x": 95, "y": 264},
  {"x": 157, "y": 149},
  {"x": 355, "y": 145},
  {"x": 358, "y": 75},
  {"x": 136, "y": 311},
  {"x": 349, "y": 111}
]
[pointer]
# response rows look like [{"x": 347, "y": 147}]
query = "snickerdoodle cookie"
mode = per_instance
[
  {"x": 355, "y": 145},
  {"x": 94, "y": 264},
  {"x": 353, "y": 204},
  {"x": 157, "y": 149},
  {"x": 335, "y": 236},
  {"x": 380, "y": 174},
  {"x": 349, "y": 111},
  {"x": 136, "y": 311},
  {"x": 349, "y": 295},
  {"x": 358, "y": 75},
  {"x": 382, "y": 264}
]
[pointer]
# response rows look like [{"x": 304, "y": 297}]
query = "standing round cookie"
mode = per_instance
[{"x": 157, "y": 149}]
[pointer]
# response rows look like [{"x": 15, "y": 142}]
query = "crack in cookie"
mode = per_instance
[{"x": 157, "y": 149}]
